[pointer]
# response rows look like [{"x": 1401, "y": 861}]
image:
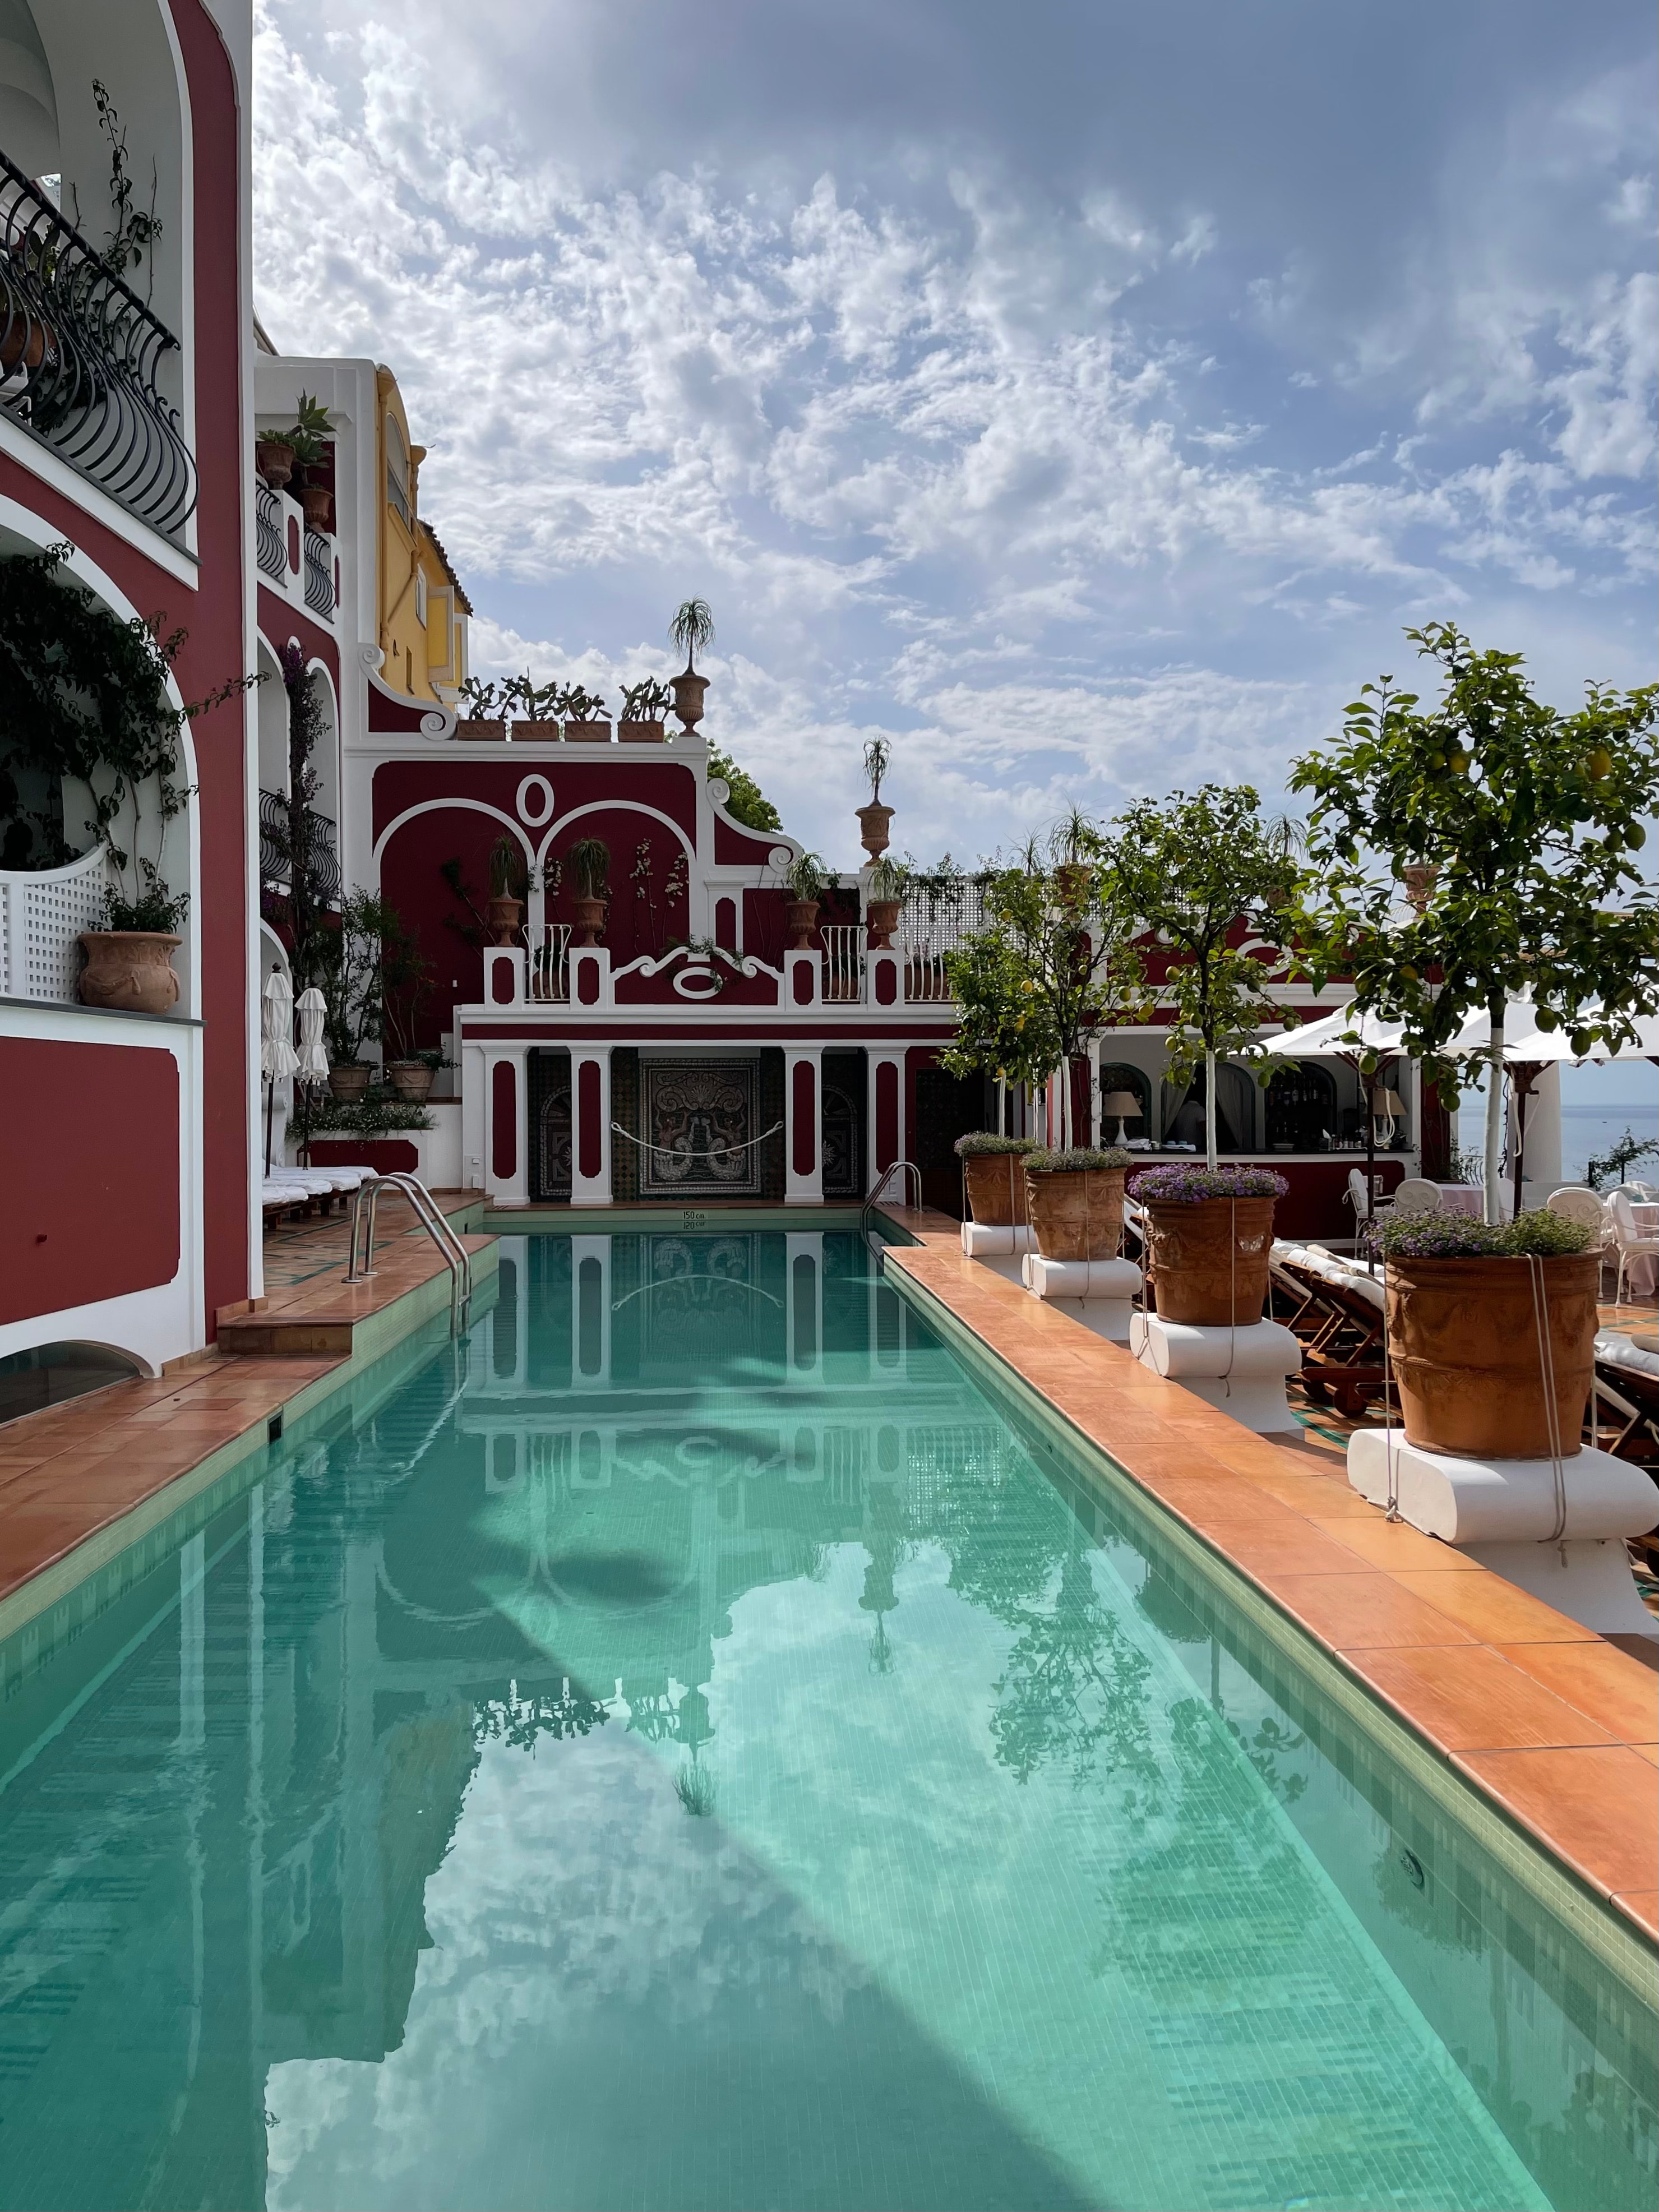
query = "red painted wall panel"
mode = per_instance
[
  {"x": 90, "y": 1133},
  {"x": 802, "y": 1145},
  {"x": 503, "y": 1121},
  {"x": 589, "y": 1138},
  {"x": 887, "y": 1101}
]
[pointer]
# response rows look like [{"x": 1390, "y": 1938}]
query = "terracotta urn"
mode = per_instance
[
  {"x": 587, "y": 733},
  {"x": 590, "y": 920},
  {"x": 349, "y": 1079},
  {"x": 478, "y": 733},
  {"x": 801, "y": 916},
  {"x": 130, "y": 969},
  {"x": 689, "y": 690},
  {"x": 1463, "y": 1340},
  {"x": 504, "y": 915},
  {"x": 882, "y": 918},
  {"x": 410, "y": 1080},
  {"x": 874, "y": 822},
  {"x": 641, "y": 733},
  {"x": 22, "y": 343},
  {"x": 274, "y": 459},
  {"x": 317, "y": 499},
  {"x": 1077, "y": 1213},
  {"x": 996, "y": 1189},
  {"x": 1207, "y": 1259}
]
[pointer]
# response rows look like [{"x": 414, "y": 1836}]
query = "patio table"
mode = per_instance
[{"x": 1465, "y": 1198}]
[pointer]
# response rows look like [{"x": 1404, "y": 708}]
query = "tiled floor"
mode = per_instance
[{"x": 1556, "y": 1723}]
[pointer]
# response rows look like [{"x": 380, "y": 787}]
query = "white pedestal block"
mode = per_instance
[
  {"x": 1100, "y": 1293},
  {"x": 982, "y": 1240},
  {"x": 1502, "y": 1511},
  {"x": 1240, "y": 1372}
]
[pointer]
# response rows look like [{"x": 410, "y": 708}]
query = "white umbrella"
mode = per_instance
[
  {"x": 1344, "y": 1031},
  {"x": 1524, "y": 1041},
  {"x": 313, "y": 1060},
  {"x": 277, "y": 1057}
]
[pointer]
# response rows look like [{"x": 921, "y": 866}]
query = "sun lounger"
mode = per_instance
[
  {"x": 1627, "y": 1380},
  {"x": 1339, "y": 1318}
]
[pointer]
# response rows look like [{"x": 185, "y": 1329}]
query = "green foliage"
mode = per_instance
[
  {"x": 488, "y": 702},
  {"x": 1180, "y": 1184},
  {"x": 890, "y": 879},
  {"x": 747, "y": 803},
  {"x": 1612, "y": 1166},
  {"x": 1457, "y": 1237},
  {"x": 1076, "y": 1160},
  {"x": 648, "y": 701},
  {"x": 85, "y": 718},
  {"x": 377, "y": 1114},
  {"x": 589, "y": 862},
  {"x": 509, "y": 871},
  {"x": 877, "y": 755},
  {"x": 134, "y": 231},
  {"x": 805, "y": 877},
  {"x": 369, "y": 958},
  {"x": 983, "y": 1143},
  {"x": 152, "y": 909},
  {"x": 1191, "y": 866},
  {"x": 692, "y": 629},
  {"x": 311, "y": 435}
]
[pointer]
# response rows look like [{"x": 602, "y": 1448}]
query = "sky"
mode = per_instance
[{"x": 1085, "y": 397}]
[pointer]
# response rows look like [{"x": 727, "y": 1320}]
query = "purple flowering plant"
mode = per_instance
[{"x": 1185, "y": 1186}]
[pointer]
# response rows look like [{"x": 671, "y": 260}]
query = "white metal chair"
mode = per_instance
[
  {"x": 1414, "y": 1195},
  {"x": 1629, "y": 1243},
  {"x": 1357, "y": 1198},
  {"x": 1574, "y": 1203}
]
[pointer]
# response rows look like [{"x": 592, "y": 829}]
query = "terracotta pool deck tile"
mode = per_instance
[
  {"x": 1270, "y": 1551},
  {"x": 1596, "y": 1805},
  {"x": 1494, "y": 1611},
  {"x": 1647, "y": 1751},
  {"x": 1643, "y": 1908},
  {"x": 1613, "y": 1688},
  {"x": 1391, "y": 1545},
  {"x": 1467, "y": 1698},
  {"x": 1362, "y": 1612}
]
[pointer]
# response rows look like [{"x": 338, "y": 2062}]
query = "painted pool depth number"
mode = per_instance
[{"x": 690, "y": 1218}]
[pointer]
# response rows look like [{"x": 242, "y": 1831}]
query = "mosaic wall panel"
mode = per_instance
[{"x": 700, "y": 1116}]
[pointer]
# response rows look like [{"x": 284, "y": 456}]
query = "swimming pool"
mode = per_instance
[{"x": 698, "y": 1743}]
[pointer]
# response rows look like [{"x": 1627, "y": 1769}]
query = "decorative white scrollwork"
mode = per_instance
[
  {"x": 536, "y": 788},
  {"x": 718, "y": 791}
]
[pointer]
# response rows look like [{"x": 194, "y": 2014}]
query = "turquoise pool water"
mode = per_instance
[{"x": 695, "y": 1744}]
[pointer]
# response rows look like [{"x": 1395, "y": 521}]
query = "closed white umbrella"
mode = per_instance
[
  {"x": 278, "y": 1058},
  {"x": 313, "y": 1060}
]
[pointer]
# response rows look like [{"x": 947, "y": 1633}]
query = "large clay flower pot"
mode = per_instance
[
  {"x": 317, "y": 499},
  {"x": 874, "y": 822},
  {"x": 22, "y": 343},
  {"x": 800, "y": 916},
  {"x": 1463, "y": 1341},
  {"x": 641, "y": 733},
  {"x": 590, "y": 920},
  {"x": 504, "y": 915},
  {"x": 884, "y": 921},
  {"x": 996, "y": 1189},
  {"x": 689, "y": 690},
  {"x": 349, "y": 1080},
  {"x": 274, "y": 459},
  {"x": 130, "y": 969},
  {"x": 1208, "y": 1259},
  {"x": 1076, "y": 1213},
  {"x": 410, "y": 1080}
]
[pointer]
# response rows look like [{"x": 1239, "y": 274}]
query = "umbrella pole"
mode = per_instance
[{"x": 270, "y": 1103}]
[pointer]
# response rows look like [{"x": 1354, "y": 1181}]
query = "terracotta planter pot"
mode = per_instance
[
  {"x": 473, "y": 731},
  {"x": 1463, "y": 1340},
  {"x": 317, "y": 501},
  {"x": 349, "y": 1080},
  {"x": 641, "y": 733},
  {"x": 587, "y": 733},
  {"x": 590, "y": 920},
  {"x": 504, "y": 915},
  {"x": 799, "y": 917},
  {"x": 689, "y": 690},
  {"x": 410, "y": 1079},
  {"x": 130, "y": 969},
  {"x": 884, "y": 921},
  {"x": 22, "y": 344},
  {"x": 1076, "y": 1213},
  {"x": 996, "y": 1189},
  {"x": 274, "y": 459},
  {"x": 874, "y": 822},
  {"x": 1208, "y": 1261}
]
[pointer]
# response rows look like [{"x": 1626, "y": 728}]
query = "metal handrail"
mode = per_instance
[
  {"x": 432, "y": 1220},
  {"x": 893, "y": 1168},
  {"x": 319, "y": 572}
]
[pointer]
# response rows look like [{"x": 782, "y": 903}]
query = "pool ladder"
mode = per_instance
[
  {"x": 432, "y": 1218},
  {"x": 897, "y": 1167}
]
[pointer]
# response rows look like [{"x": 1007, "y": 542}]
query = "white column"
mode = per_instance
[
  {"x": 505, "y": 1188},
  {"x": 804, "y": 1305},
  {"x": 803, "y": 1189},
  {"x": 590, "y": 1125},
  {"x": 590, "y": 1311},
  {"x": 1542, "y": 1159}
]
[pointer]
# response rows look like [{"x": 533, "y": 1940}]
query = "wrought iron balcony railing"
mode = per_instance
[
  {"x": 320, "y": 573},
  {"x": 79, "y": 357},
  {"x": 319, "y": 855},
  {"x": 269, "y": 549}
]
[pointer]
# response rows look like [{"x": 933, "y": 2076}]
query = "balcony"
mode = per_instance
[
  {"x": 270, "y": 550},
  {"x": 79, "y": 357},
  {"x": 320, "y": 573},
  {"x": 42, "y": 915},
  {"x": 320, "y": 858}
]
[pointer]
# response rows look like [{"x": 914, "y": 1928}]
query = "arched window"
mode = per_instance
[
  {"x": 1120, "y": 1080},
  {"x": 396, "y": 468},
  {"x": 48, "y": 1373}
]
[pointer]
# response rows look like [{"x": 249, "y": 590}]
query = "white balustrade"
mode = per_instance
[
  {"x": 42, "y": 914},
  {"x": 843, "y": 961},
  {"x": 549, "y": 964}
]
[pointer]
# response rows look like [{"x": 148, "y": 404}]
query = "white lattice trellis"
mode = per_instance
[{"x": 42, "y": 919}]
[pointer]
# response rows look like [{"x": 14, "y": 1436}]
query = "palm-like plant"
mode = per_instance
[
  {"x": 589, "y": 862},
  {"x": 692, "y": 630},
  {"x": 806, "y": 876},
  {"x": 877, "y": 755}
]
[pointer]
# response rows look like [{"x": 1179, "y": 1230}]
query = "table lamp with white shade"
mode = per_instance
[
  {"x": 1120, "y": 1106},
  {"x": 1388, "y": 1107}
]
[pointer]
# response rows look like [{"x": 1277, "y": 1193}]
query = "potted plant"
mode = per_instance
[
  {"x": 875, "y": 820},
  {"x": 1468, "y": 1308},
  {"x": 129, "y": 960},
  {"x": 308, "y": 442},
  {"x": 485, "y": 721},
  {"x": 644, "y": 705},
  {"x": 349, "y": 1079},
  {"x": 406, "y": 981},
  {"x": 995, "y": 1177},
  {"x": 1209, "y": 1232},
  {"x": 355, "y": 964},
  {"x": 884, "y": 900},
  {"x": 273, "y": 455},
  {"x": 589, "y": 863},
  {"x": 527, "y": 700},
  {"x": 805, "y": 878},
  {"x": 509, "y": 877},
  {"x": 583, "y": 715},
  {"x": 692, "y": 629},
  {"x": 1075, "y": 1200}
]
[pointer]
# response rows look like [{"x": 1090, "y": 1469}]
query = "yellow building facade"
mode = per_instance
[{"x": 422, "y": 609}]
